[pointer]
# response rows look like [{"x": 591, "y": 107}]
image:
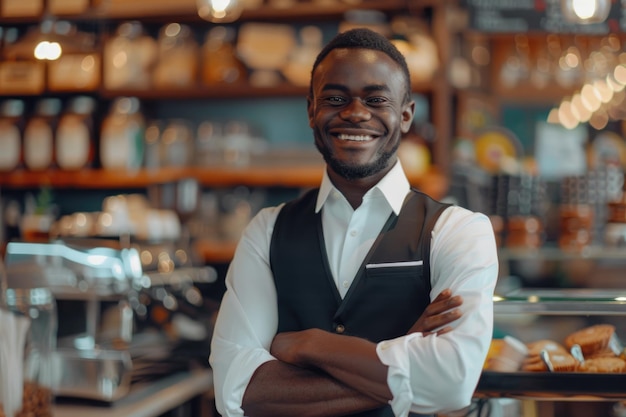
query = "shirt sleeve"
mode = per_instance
[
  {"x": 439, "y": 373},
  {"x": 242, "y": 336}
]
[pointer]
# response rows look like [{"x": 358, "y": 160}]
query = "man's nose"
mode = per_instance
[{"x": 355, "y": 111}]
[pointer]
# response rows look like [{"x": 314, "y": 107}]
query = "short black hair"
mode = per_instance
[{"x": 364, "y": 38}]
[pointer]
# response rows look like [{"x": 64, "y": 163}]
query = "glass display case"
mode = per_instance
[{"x": 553, "y": 314}]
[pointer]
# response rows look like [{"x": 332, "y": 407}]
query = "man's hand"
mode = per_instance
[
  {"x": 439, "y": 313},
  {"x": 287, "y": 346}
]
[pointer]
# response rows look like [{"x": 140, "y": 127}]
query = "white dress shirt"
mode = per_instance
[{"x": 426, "y": 374}]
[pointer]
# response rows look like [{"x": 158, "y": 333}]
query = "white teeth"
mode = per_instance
[{"x": 357, "y": 138}]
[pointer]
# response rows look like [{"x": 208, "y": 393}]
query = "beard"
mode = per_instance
[{"x": 355, "y": 172}]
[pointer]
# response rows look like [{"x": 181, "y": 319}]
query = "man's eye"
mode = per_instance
[
  {"x": 335, "y": 100},
  {"x": 376, "y": 100}
]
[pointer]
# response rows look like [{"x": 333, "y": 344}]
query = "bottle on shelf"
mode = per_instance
[
  {"x": 177, "y": 144},
  {"x": 220, "y": 64},
  {"x": 129, "y": 57},
  {"x": 209, "y": 145},
  {"x": 265, "y": 48},
  {"x": 39, "y": 133},
  {"x": 11, "y": 129},
  {"x": 177, "y": 62},
  {"x": 122, "y": 135},
  {"x": 297, "y": 70},
  {"x": 74, "y": 145}
]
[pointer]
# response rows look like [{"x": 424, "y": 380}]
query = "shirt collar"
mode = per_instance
[{"x": 394, "y": 186}]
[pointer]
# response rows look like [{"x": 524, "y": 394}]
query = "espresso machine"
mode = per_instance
[
  {"x": 127, "y": 311},
  {"x": 92, "y": 361}
]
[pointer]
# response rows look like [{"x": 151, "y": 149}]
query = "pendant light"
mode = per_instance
[
  {"x": 586, "y": 11},
  {"x": 219, "y": 11}
]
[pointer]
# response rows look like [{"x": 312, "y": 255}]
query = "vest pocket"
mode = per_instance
[{"x": 412, "y": 270}]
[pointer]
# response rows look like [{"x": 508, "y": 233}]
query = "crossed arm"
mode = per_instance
[{"x": 321, "y": 374}]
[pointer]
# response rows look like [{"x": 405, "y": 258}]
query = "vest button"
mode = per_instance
[{"x": 340, "y": 328}]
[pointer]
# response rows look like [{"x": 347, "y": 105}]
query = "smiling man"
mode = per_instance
[{"x": 364, "y": 296}]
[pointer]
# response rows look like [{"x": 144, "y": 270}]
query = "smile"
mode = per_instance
[{"x": 355, "y": 138}]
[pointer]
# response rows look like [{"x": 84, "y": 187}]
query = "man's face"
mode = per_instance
[{"x": 358, "y": 111}]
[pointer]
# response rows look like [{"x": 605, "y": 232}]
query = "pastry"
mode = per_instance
[
  {"x": 591, "y": 339},
  {"x": 533, "y": 362},
  {"x": 561, "y": 362},
  {"x": 603, "y": 365}
]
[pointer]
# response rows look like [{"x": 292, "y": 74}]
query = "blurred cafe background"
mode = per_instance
[{"x": 139, "y": 137}]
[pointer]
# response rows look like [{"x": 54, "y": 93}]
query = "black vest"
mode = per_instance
[{"x": 382, "y": 303}]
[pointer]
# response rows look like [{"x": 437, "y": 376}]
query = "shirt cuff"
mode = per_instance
[
  {"x": 237, "y": 380},
  {"x": 393, "y": 354}
]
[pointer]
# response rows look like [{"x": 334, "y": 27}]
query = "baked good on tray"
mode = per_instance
[
  {"x": 603, "y": 365},
  {"x": 591, "y": 339},
  {"x": 534, "y": 363},
  {"x": 561, "y": 361},
  {"x": 593, "y": 349}
]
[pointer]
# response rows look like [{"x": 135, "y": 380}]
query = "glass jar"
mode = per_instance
[
  {"x": 237, "y": 143},
  {"x": 177, "y": 144},
  {"x": 129, "y": 57},
  {"x": 75, "y": 137},
  {"x": 28, "y": 316},
  {"x": 39, "y": 135},
  {"x": 177, "y": 62},
  {"x": 11, "y": 125},
  {"x": 220, "y": 63},
  {"x": 209, "y": 144},
  {"x": 122, "y": 135}
]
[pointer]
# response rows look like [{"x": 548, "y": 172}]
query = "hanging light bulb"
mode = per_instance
[
  {"x": 46, "y": 50},
  {"x": 586, "y": 11},
  {"x": 219, "y": 11}
]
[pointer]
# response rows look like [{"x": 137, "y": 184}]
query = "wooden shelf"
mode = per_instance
[
  {"x": 307, "y": 175},
  {"x": 278, "y": 175},
  {"x": 91, "y": 178},
  {"x": 218, "y": 176},
  {"x": 227, "y": 91},
  {"x": 186, "y": 11}
]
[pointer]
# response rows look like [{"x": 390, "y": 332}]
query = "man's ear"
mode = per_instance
[{"x": 408, "y": 110}]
